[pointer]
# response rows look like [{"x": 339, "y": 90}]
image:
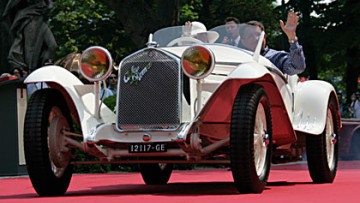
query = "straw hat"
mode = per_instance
[{"x": 198, "y": 28}]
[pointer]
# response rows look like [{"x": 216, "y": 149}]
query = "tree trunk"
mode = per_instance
[
  {"x": 352, "y": 71},
  {"x": 351, "y": 12}
]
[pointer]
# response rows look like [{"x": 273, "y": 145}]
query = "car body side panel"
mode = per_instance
[
  {"x": 311, "y": 102},
  {"x": 217, "y": 110},
  {"x": 75, "y": 93}
]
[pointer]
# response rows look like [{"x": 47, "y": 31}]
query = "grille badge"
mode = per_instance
[
  {"x": 146, "y": 137},
  {"x": 134, "y": 76}
]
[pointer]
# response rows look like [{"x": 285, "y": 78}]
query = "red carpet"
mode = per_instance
[{"x": 287, "y": 183}]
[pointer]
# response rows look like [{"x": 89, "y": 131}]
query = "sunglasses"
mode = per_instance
[{"x": 112, "y": 78}]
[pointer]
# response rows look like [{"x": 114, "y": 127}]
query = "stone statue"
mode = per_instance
[{"x": 32, "y": 42}]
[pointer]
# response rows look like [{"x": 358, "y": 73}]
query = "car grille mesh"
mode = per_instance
[{"x": 149, "y": 91}]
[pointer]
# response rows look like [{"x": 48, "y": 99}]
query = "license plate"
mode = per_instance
[{"x": 148, "y": 147}]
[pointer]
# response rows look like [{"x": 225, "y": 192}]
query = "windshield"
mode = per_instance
[{"x": 241, "y": 36}]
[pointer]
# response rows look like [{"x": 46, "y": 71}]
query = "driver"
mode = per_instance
[
  {"x": 198, "y": 30},
  {"x": 289, "y": 63}
]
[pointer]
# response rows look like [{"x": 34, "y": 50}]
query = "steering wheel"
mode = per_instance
[{"x": 183, "y": 40}]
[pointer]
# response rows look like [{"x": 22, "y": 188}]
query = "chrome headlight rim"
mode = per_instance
[
  {"x": 109, "y": 67},
  {"x": 209, "y": 70}
]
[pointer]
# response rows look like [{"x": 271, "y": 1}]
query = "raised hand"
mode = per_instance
[
  {"x": 186, "y": 29},
  {"x": 290, "y": 27}
]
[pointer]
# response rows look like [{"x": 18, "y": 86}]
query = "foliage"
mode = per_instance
[
  {"x": 78, "y": 24},
  {"x": 260, "y": 10},
  {"x": 189, "y": 10},
  {"x": 343, "y": 41},
  {"x": 142, "y": 17},
  {"x": 110, "y": 102},
  {"x": 328, "y": 33}
]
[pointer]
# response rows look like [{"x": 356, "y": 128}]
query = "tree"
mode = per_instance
[
  {"x": 140, "y": 18},
  {"x": 307, "y": 31},
  {"x": 123, "y": 20},
  {"x": 214, "y": 12},
  {"x": 344, "y": 30},
  {"x": 339, "y": 43},
  {"x": 329, "y": 35},
  {"x": 78, "y": 24}
]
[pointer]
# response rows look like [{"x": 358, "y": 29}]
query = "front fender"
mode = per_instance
[
  {"x": 249, "y": 71},
  {"x": 216, "y": 114},
  {"x": 79, "y": 97},
  {"x": 55, "y": 74},
  {"x": 310, "y": 108}
]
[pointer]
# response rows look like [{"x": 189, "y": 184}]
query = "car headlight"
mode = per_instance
[
  {"x": 197, "y": 62},
  {"x": 96, "y": 63}
]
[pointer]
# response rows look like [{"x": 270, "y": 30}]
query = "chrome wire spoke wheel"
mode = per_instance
[
  {"x": 330, "y": 139},
  {"x": 59, "y": 154},
  {"x": 260, "y": 139}
]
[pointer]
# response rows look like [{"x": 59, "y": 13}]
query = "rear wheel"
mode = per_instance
[
  {"x": 156, "y": 174},
  {"x": 322, "y": 150},
  {"x": 251, "y": 139},
  {"x": 47, "y": 158}
]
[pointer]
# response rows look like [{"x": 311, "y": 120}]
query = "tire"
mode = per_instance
[
  {"x": 156, "y": 174},
  {"x": 251, "y": 139},
  {"x": 322, "y": 150},
  {"x": 49, "y": 169}
]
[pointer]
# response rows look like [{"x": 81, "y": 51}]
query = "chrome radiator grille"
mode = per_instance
[{"x": 149, "y": 91}]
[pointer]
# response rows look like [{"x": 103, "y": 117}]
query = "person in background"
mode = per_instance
[
  {"x": 112, "y": 81},
  {"x": 232, "y": 31},
  {"x": 105, "y": 92},
  {"x": 111, "y": 89},
  {"x": 290, "y": 63},
  {"x": 354, "y": 108}
]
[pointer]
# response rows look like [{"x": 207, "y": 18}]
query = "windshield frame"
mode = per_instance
[{"x": 164, "y": 36}]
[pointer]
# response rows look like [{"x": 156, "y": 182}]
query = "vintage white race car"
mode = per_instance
[{"x": 180, "y": 101}]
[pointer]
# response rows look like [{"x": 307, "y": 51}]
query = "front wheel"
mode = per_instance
[
  {"x": 322, "y": 150},
  {"x": 47, "y": 158},
  {"x": 251, "y": 139},
  {"x": 156, "y": 174}
]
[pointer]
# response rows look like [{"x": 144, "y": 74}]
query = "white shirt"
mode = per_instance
[{"x": 237, "y": 41}]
